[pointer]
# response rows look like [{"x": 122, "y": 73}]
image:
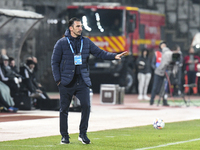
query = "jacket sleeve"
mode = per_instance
[
  {"x": 56, "y": 60},
  {"x": 2, "y": 74},
  {"x": 153, "y": 62},
  {"x": 99, "y": 53}
]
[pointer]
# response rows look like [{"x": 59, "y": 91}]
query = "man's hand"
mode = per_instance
[
  {"x": 58, "y": 83},
  {"x": 38, "y": 90},
  {"x": 196, "y": 61},
  {"x": 118, "y": 56}
]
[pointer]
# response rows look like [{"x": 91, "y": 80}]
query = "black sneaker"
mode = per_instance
[
  {"x": 65, "y": 140},
  {"x": 84, "y": 139},
  {"x": 165, "y": 103},
  {"x": 151, "y": 103}
]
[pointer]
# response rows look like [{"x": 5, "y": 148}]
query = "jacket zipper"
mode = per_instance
[{"x": 63, "y": 65}]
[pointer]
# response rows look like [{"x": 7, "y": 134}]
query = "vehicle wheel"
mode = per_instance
[{"x": 130, "y": 80}]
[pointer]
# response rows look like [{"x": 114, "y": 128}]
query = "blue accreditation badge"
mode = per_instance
[{"x": 77, "y": 59}]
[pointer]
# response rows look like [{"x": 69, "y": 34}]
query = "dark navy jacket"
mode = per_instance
[{"x": 62, "y": 60}]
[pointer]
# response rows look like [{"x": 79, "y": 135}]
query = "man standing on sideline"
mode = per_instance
[
  {"x": 159, "y": 73},
  {"x": 71, "y": 73}
]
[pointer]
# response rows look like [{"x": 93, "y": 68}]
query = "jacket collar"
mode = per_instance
[
  {"x": 30, "y": 70},
  {"x": 165, "y": 49},
  {"x": 67, "y": 34}
]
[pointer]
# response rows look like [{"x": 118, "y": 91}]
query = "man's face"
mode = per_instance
[
  {"x": 31, "y": 66},
  {"x": 144, "y": 53},
  {"x": 12, "y": 63},
  {"x": 5, "y": 62},
  {"x": 178, "y": 48},
  {"x": 163, "y": 45},
  {"x": 191, "y": 50},
  {"x": 76, "y": 29}
]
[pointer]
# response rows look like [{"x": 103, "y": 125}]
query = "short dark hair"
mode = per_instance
[
  {"x": 162, "y": 42},
  {"x": 71, "y": 21},
  {"x": 11, "y": 59},
  {"x": 29, "y": 62},
  {"x": 144, "y": 49}
]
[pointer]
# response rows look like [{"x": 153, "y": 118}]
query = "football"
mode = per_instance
[{"x": 158, "y": 123}]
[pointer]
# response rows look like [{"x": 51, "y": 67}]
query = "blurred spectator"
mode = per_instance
[
  {"x": 9, "y": 77},
  {"x": 12, "y": 65},
  {"x": 29, "y": 81},
  {"x": 144, "y": 74},
  {"x": 191, "y": 61},
  {"x": 34, "y": 59},
  {"x": 27, "y": 72},
  {"x": 5, "y": 99},
  {"x": 37, "y": 84}
]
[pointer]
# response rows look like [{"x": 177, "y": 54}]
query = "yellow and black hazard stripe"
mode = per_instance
[{"x": 115, "y": 43}]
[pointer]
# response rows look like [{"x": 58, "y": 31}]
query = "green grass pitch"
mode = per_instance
[{"x": 174, "y": 136}]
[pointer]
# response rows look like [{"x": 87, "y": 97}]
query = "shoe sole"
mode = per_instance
[
  {"x": 63, "y": 143},
  {"x": 80, "y": 139}
]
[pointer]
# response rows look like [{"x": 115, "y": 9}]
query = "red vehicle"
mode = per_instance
[{"x": 116, "y": 29}]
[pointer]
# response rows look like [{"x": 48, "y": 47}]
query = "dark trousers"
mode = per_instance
[
  {"x": 191, "y": 79},
  {"x": 13, "y": 87},
  {"x": 157, "y": 83},
  {"x": 78, "y": 88}
]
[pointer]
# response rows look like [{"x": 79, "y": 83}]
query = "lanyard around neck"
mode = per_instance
[{"x": 71, "y": 45}]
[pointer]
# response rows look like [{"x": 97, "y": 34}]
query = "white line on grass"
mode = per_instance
[
  {"x": 96, "y": 138},
  {"x": 27, "y": 145},
  {"x": 164, "y": 145}
]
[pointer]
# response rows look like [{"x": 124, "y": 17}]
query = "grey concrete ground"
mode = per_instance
[{"x": 103, "y": 116}]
